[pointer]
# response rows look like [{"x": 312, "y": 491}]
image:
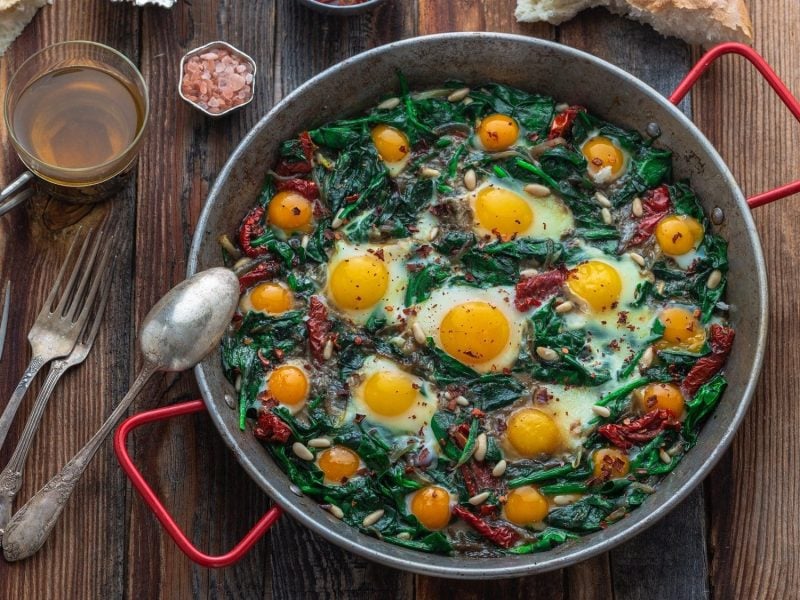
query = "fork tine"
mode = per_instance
[
  {"x": 48, "y": 303},
  {"x": 99, "y": 276},
  {"x": 4, "y": 318},
  {"x": 66, "y": 294},
  {"x": 105, "y": 292},
  {"x": 77, "y": 298}
]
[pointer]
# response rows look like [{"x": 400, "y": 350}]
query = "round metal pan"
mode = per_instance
[{"x": 535, "y": 65}]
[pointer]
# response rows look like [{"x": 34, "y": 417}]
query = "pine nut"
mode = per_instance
[
  {"x": 636, "y": 207},
  {"x": 304, "y": 242},
  {"x": 337, "y": 222},
  {"x": 403, "y": 535},
  {"x": 564, "y": 307},
  {"x": 499, "y": 468},
  {"x": 664, "y": 456},
  {"x": 537, "y": 189},
  {"x": 372, "y": 518},
  {"x": 336, "y": 511},
  {"x": 529, "y": 272},
  {"x": 637, "y": 258},
  {"x": 319, "y": 443},
  {"x": 461, "y": 401},
  {"x": 301, "y": 452},
  {"x": 563, "y": 499},
  {"x": 601, "y": 411},
  {"x": 561, "y": 107},
  {"x": 327, "y": 351},
  {"x": 429, "y": 173},
  {"x": 433, "y": 234},
  {"x": 547, "y": 354},
  {"x": 478, "y": 499},
  {"x": 389, "y": 104},
  {"x": 602, "y": 199},
  {"x": 606, "y": 214},
  {"x": 714, "y": 279},
  {"x": 241, "y": 263},
  {"x": 467, "y": 101},
  {"x": 481, "y": 444},
  {"x": 237, "y": 385},
  {"x": 458, "y": 95},
  {"x": 647, "y": 358},
  {"x": 470, "y": 180},
  {"x": 419, "y": 334}
]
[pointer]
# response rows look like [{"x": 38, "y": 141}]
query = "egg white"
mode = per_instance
[{"x": 246, "y": 303}]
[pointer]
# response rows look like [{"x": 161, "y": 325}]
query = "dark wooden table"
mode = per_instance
[{"x": 735, "y": 538}]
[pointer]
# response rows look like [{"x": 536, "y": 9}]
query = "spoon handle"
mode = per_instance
[{"x": 31, "y": 525}]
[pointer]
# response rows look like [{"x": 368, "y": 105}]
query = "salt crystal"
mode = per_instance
[
  {"x": 248, "y": 78},
  {"x": 237, "y": 82},
  {"x": 209, "y": 56},
  {"x": 241, "y": 69},
  {"x": 213, "y": 103}
]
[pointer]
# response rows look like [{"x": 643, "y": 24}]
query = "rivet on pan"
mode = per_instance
[
  {"x": 372, "y": 518},
  {"x": 653, "y": 130},
  {"x": 230, "y": 401},
  {"x": 295, "y": 490},
  {"x": 717, "y": 216},
  {"x": 499, "y": 468}
]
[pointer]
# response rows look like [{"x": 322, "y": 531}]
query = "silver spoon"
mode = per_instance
[{"x": 181, "y": 329}]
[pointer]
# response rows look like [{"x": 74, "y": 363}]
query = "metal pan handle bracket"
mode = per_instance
[
  {"x": 772, "y": 79},
  {"x": 161, "y": 513}
]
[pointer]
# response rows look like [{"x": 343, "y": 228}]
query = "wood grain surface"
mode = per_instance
[{"x": 736, "y": 539}]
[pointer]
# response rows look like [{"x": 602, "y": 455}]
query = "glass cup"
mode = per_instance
[{"x": 85, "y": 183}]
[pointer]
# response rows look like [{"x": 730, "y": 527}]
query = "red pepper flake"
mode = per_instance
[
  {"x": 477, "y": 413},
  {"x": 532, "y": 291},
  {"x": 252, "y": 226},
  {"x": 307, "y": 189},
  {"x": 721, "y": 341},
  {"x": 352, "y": 198},
  {"x": 270, "y": 427},
  {"x": 655, "y": 205},
  {"x": 503, "y": 536},
  {"x": 563, "y": 121},
  {"x": 640, "y": 430},
  {"x": 265, "y": 270},
  {"x": 318, "y": 326}
]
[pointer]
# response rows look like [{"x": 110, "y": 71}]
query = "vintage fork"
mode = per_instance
[
  {"x": 11, "y": 477},
  {"x": 56, "y": 329},
  {"x": 4, "y": 318}
]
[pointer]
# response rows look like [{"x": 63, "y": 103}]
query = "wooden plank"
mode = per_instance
[
  {"x": 33, "y": 243},
  {"x": 192, "y": 470},
  {"x": 753, "y": 493},
  {"x": 661, "y": 63},
  {"x": 303, "y": 564}
]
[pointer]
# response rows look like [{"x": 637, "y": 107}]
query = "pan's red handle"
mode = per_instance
[
  {"x": 772, "y": 79},
  {"x": 150, "y": 498}
]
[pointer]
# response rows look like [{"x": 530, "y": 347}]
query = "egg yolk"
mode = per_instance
[
  {"x": 610, "y": 463},
  {"x": 678, "y": 234},
  {"x": 290, "y": 211},
  {"x": 498, "y": 132},
  {"x": 338, "y": 463},
  {"x": 525, "y": 506},
  {"x": 662, "y": 395},
  {"x": 389, "y": 393},
  {"x": 532, "y": 432},
  {"x": 271, "y": 297},
  {"x": 431, "y": 505},
  {"x": 502, "y": 212},
  {"x": 474, "y": 332},
  {"x": 681, "y": 330},
  {"x": 391, "y": 143},
  {"x": 597, "y": 283},
  {"x": 288, "y": 385},
  {"x": 359, "y": 282},
  {"x": 600, "y": 152}
]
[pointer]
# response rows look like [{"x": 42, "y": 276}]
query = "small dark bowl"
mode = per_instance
[{"x": 342, "y": 11}]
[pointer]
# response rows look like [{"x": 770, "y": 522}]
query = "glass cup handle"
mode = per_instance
[{"x": 16, "y": 192}]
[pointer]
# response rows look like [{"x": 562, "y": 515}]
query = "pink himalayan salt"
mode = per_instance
[{"x": 217, "y": 80}]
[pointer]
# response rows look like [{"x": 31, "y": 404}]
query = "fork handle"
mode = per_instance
[
  {"x": 37, "y": 362},
  {"x": 31, "y": 525},
  {"x": 11, "y": 477}
]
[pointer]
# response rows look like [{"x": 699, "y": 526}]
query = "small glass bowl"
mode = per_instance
[
  {"x": 342, "y": 11},
  {"x": 235, "y": 52}
]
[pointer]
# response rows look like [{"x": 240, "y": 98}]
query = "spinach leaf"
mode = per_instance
[
  {"x": 498, "y": 263},
  {"x": 532, "y": 111},
  {"x": 584, "y": 516},
  {"x": 433, "y": 542},
  {"x": 423, "y": 281},
  {"x": 702, "y": 405},
  {"x": 547, "y": 539}
]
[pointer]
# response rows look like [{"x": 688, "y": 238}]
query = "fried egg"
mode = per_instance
[
  {"x": 496, "y": 132},
  {"x": 289, "y": 385},
  {"x": 338, "y": 464},
  {"x": 679, "y": 236},
  {"x": 525, "y": 506},
  {"x": 367, "y": 278},
  {"x": 501, "y": 208},
  {"x": 480, "y": 328},
  {"x": 267, "y": 298},
  {"x": 682, "y": 330},
  {"x": 289, "y": 212},
  {"x": 606, "y": 160},
  {"x": 393, "y": 147},
  {"x": 432, "y": 506},
  {"x": 392, "y": 397}
]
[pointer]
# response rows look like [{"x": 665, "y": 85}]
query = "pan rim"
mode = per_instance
[{"x": 466, "y": 568}]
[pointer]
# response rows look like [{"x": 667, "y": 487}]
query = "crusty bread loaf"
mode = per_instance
[
  {"x": 14, "y": 16},
  {"x": 695, "y": 21}
]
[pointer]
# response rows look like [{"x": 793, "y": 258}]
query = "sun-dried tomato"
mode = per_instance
[
  {"x": 643, "y": 429},
  {"x": 655, "y": 205},
  {"x": 532, "y": 291},
  {"x": 307, "y": 189},
  {"x": 287, "y": 167},
  {"x": 265, "y": 270},
  {"x": 270, "y": 427},
  {"x": 503, "y": 536},
  {"x": 721, "y": 341},
  {"x": 563, "y": 121},
  {"x": 252, "y": 226},
  {"x": 478, "y": 478},
  {"x": 318, "y": 326}
]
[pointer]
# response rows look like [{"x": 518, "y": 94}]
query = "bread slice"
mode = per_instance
[
  {"x": 14, "y": 16},
  {"x": 695, "y": 21}
]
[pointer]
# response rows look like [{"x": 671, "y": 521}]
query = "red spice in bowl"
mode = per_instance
[{"x": 217, "y": 78}]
